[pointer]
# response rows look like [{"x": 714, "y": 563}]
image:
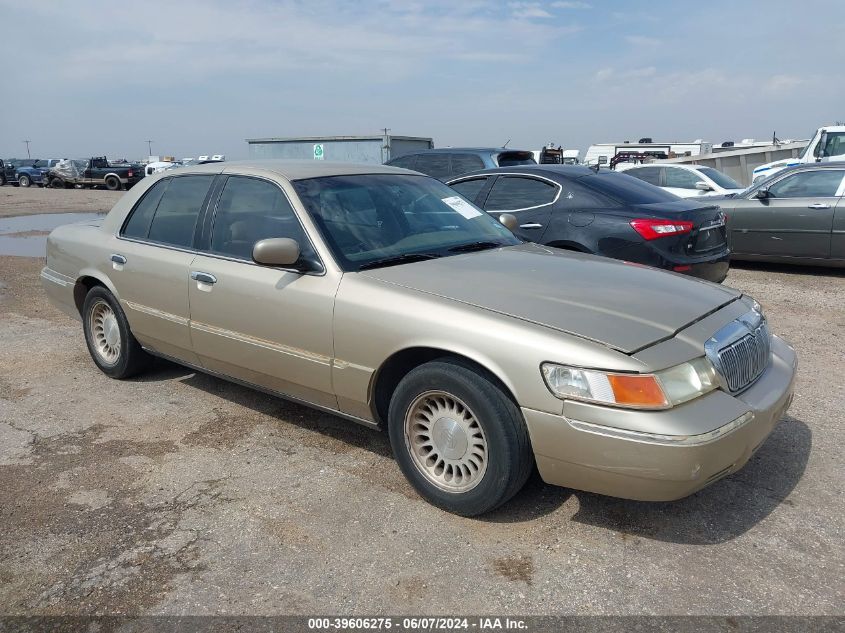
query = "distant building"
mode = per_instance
[{"x": 352, "y": 149}]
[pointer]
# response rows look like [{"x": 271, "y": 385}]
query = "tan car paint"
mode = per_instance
[{"x": 324, "y": 338}]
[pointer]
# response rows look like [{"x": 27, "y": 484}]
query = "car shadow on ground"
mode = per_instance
[
  {"x": 789, "y": 269},
  {"x": 721, "y": 512}
]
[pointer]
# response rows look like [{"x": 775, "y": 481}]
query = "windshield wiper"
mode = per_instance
[
  {"x": 393, "y": 260},
  {"x": 474, "y": 246}
]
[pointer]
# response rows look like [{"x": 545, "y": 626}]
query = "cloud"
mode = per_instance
[
  {"x": 641, "y": 40},
  {"x": 603, "y": 74},
  {"x": 783, "y": 83},
  {"x": 562, "y": 4},
  {"x": 528, "y": 10}
]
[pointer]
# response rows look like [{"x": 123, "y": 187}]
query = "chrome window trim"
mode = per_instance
[{"x": 555, "y": 184}]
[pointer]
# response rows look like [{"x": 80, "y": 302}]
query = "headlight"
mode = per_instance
[{"x": 660, "y": 390}]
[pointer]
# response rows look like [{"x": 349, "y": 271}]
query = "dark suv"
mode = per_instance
[
  {"x": 450, "y": 162},
  {"x": 605, "y": 213}
]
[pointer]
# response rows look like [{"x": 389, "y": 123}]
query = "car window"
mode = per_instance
[
  {"x": 650, "y": 175},
  {"x": 465, "y": 163},
  {"x": 406, "y": 162},
  {"x": 435, "y": 165},
  {"x": 510, "y": 193},
  {"x": 681, "y": 178},
  {"x": 822, "y": 183},
  {"x": 470, "y": 189},
  {"x": 723, "y": 180},
  {"x": 177, "y": 212},
  {"x": 574, "y": 196},
  {"x": 834, "y": 146},
  {"x": 138, "y": 224},
  {"x": 250, "y": 210}
]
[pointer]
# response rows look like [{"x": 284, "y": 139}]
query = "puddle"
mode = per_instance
[{"x": 26, "y": 235}]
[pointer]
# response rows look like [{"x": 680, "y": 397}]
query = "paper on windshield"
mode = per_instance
[{"x": 463, "y": 207}]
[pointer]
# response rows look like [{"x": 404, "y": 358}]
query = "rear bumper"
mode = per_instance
[
  {"x": 589, "y": 455},
  {"x": 713, "y": 267},
  {"x": 59, "y": 289}
]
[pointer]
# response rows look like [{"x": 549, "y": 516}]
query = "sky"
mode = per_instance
[{"x": 88, "y": 78}]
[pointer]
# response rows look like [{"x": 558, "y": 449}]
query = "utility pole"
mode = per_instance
[
  {"x": 385, "y": 150},
  {"x": 27, "y": 148},
  {"x": 149, "y": 148}
]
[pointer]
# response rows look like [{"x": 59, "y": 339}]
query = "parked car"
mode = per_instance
[
  {"x": 686, "y": 181},
  {"x": 796, "y": 216},
  {"x": 827, "y": 145},
  {"x": 94, "y": 172},
  {"x": 605, "y": 213},
  {"x": 404, "y": 306},
  {"x": 449, "y": 162},
  {"x": 7, "y": 172},
  {"x": 33, "y": 172}
]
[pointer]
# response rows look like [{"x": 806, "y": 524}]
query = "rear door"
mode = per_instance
[
  {"x": 529, "y": 198},
  {"x": 796, "y": 220},
  {"x": 681, "y": 182},
  {"x": 151, "y": 262}
]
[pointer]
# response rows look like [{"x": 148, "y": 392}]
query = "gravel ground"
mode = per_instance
[
  {"x": 178, "y": 493},
  {"x": 32, "y": 200}
]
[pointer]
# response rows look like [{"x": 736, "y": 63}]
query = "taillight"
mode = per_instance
[
  {"x": 653, "y": 229},
  {"x": 129, "y": 174}
]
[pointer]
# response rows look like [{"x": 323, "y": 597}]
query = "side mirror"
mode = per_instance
[
  {"x": 703, "y": 186},
  {"x": 762, "y": 193},
  {"x": 509, "y": 221},
  {"x": 277, "y": 251}
]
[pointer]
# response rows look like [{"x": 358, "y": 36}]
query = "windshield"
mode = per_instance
[
  {"x": 723, "y": 180},
  {"x": 383, "y": 219},
  {"x": 808, "y": 145}
]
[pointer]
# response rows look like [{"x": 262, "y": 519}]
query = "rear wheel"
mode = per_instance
[
  {"x": 458, "y": 437},
  {"x": 24, "y": 180},
  {"x": 112, "y": 183},
  {"x": 110, "y": 342}
]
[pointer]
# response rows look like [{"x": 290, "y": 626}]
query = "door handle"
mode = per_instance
[
  {"x": 118, "y": 259},
  {"x": 531, "y": 225},
  {"x": 205, "y": 278},
  {"x": 818, "y": 205}
]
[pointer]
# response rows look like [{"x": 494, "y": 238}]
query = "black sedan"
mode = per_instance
[{"x": 605, "y": 213}]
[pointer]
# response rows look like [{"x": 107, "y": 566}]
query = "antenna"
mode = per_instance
[{"x": 506, "y": 144}]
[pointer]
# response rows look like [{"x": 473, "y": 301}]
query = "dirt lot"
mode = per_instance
[
  {"x": 180, "y": 493},
  {"x": 31, "y": 200}
]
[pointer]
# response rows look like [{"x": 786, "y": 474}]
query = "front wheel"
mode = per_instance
[
  {"x": 458, "y": 437},
  {"x": 110, "y": 342},
  {"x": 24, "y": 180}
]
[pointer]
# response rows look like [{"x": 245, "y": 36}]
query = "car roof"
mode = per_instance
[
  {"x": 292, "y": 169},
  {"x": 465, "y": 150},
  {"x": 565, "y": 171}
]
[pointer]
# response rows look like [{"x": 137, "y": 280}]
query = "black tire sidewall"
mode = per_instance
[
  {"x": 123, "y": 367},
  {"x": 508, "y": 463},
  {"x": 110, "y": 181}
]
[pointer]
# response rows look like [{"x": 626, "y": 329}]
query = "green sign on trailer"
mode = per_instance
[{"x": 318, "y": 151}]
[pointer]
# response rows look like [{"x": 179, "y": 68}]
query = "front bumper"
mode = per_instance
[{"x": 636, "y": 467}]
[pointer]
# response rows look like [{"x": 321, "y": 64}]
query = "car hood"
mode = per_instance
[{"x": 622, "y": 305}]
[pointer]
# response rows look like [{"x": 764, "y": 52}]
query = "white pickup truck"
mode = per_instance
[{"x": 827, "y": 144}]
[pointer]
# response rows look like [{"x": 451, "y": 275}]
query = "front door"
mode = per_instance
[
  {"x": 795, "y": 220},
  {"x": 150, "y": 263},
  {"x": 264, "y": 325}
]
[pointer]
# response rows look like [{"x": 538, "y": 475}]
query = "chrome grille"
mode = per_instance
[{"x": 741, "y": 362}]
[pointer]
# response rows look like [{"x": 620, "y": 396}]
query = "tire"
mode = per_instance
[
  {"x": 57, "y": 183},
  {"x": 483, "y": 455},
  {"x": 112, "y": 183},
  {"x": 108, "y": 337},
  {"x": 24, "y": 180}
]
